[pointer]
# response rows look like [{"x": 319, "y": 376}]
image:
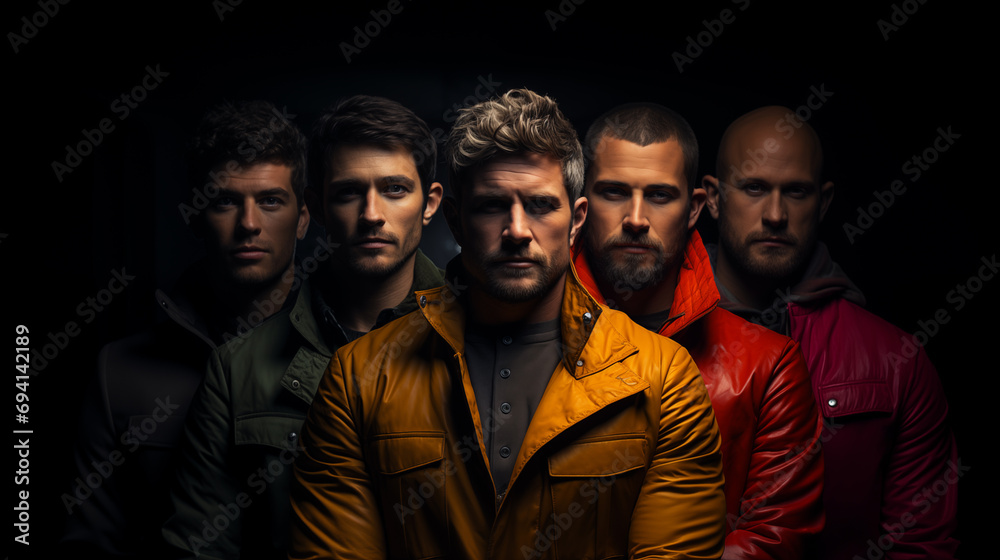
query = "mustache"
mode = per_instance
[
  {"x": 764, "y": 236},
  {"x": 633, "y": 239}
]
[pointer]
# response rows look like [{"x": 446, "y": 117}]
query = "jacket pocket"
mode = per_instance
[
  {"x": 411, "y": 476},
  {"x": 855, "y": 398},
  {"x": 594, "y": 486}
]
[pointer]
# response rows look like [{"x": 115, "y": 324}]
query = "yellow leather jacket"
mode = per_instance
[{"x": 621, "y": 459}]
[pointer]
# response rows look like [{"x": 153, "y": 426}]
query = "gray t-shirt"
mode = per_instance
[{"x": 509, "y": 368}]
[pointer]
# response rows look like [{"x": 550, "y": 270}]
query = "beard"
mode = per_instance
[
  {"x": 508, "y": 284},
  {"x": 770, "y": 264}
]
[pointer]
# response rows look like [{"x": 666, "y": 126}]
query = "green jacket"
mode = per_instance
[{"x": 230, "y": 495}]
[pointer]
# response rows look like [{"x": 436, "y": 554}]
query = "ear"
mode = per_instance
[
  {"x": 579, "y": 218},
  {"x": 314, "y": 201},
  {"x": 711, "y": 186},
  {"x": 300, "y": 231},
  {"x": 433, "y": 202},
  {"x": 826, "y": 196},
  {"x": 698, "y": 199},
  {"x": 451, "y": 214}
]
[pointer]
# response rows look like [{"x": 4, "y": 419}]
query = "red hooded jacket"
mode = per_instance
[{"x": 763, "y": 402}]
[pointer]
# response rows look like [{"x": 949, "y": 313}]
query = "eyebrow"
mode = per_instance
[
  {"x": 275, "y": 191},
  {"x": 613, "y": 183},
  {"x": 800, "y": 184},
  {"x": 390, "y": 179}
]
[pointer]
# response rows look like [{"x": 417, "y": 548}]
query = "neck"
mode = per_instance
[
  {"x": 358, "y": 300},
  {"x": 487, "y": 310},
  {"x": 756, "y": 293}
]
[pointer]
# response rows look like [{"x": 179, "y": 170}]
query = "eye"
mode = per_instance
[
  {"x": 753, "y": 189},
  {"x": 613, "y": 193},
  {"x": 660, "y": 196},
  {"x": 223, "y": 202},
  {"x": 539, "y": 205},
  {"x": 271, "y": 201},
  {"x": 396, "y": 190},
  {"x": 346, "y": 194},
  {"x": 796, "y": 192}
]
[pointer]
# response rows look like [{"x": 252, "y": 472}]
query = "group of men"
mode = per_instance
[{"x": 586, "y": 379}]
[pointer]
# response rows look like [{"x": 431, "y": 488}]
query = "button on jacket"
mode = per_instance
[
  {"x": 621, "y": 458},
  {"x": 230, "y": 499}
]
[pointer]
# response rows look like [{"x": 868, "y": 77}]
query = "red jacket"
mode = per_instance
[
  {"x": 891, "y": 463},
  {"x": 760, "y": 391}
]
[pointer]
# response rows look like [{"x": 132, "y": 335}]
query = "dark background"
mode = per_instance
[{"x": 61, "y": 240}]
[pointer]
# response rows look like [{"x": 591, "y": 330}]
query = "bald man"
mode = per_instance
[{"x": 891, "y": 462}]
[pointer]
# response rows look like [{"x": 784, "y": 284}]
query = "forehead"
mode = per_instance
[
  {"x": 656, "y": 163},
  {"x": 519, "y": 175},
  {"x": 348, "y": 159},
  {"x": 259, "y": 176},
  {"x": 767, "y": 154}
]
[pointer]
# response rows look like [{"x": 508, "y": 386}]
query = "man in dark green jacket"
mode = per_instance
[{"x": 371, "y": 177}]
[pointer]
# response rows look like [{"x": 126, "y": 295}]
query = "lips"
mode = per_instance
[
  {"x": 634, "y": 248},
  {"x": 249, "y": 252},
  {"x": 373, "y": 243},
  {"x": 774, "y": 241}
]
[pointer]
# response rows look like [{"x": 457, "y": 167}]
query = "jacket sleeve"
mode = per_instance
[
  {"x": 335, "y": 513},
  {"x": 919, "y": 499},
  {"x": 206, "y": 498},
  {"x": 681, "y": 509},
  {"x": 781, "y": 507},
  {"x": 96, "y": 517}
]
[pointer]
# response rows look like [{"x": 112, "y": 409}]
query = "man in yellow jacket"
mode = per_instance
[{"x": 511, "y": 416}]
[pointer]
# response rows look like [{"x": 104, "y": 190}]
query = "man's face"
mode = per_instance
[
  {"x": 640, "y": 212},
  {"x": 374, "y": 207},
  {"x": 769, "y": 215},
  {"x": 252, "y": 225},
  {"x": 515, "y": 224}
]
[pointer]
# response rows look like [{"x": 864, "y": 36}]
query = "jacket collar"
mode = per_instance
[
  {"x": 444, "y": 308},
  {"x": 184, "y": 307},
  {"x": 694, "y": 296}
]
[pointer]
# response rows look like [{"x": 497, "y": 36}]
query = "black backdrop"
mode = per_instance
[{"x": 888, "y": 90}]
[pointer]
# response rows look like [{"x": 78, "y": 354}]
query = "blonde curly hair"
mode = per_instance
[{"x": 520, "y": 121}]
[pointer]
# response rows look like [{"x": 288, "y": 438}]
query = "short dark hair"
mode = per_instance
[
  {"x": 247, "y": 133},
  {"x": 520, "y": 121},
  {"x": 366, "y": 119},
  {"x": 645, "y": 124}
]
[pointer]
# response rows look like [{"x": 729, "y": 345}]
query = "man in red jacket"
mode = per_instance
[
  {"x": 891, "y": 463},
  {"x": 641, "y": 254}
]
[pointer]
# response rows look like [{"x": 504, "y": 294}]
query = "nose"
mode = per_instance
[
  {"x": 371, "y": 212},
  {"x": 775, "y": 212},
  {"x": 250, "y": 218},
  {"x": 635, "y": 219},
  {"x": 517, "y": 230}
]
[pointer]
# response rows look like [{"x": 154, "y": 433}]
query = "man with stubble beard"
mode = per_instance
[{"x": 372, "y": 164}]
